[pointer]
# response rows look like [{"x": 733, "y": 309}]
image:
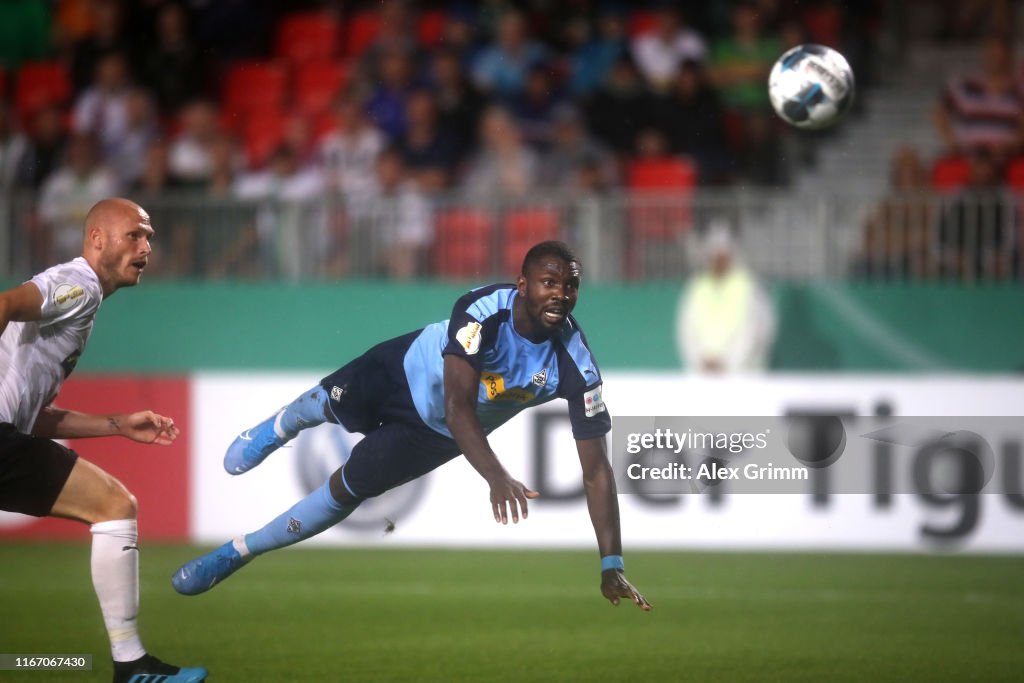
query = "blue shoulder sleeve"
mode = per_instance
[
  {"x": 473, "y": 326},
  {"x": 580, "y": 384}
]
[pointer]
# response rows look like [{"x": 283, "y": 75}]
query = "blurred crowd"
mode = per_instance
[
  {"x": 956, "y": 216},
  {"x": 386, "y": 104}
]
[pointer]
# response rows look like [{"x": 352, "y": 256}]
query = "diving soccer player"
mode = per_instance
[{"x": 425, "y": 397}]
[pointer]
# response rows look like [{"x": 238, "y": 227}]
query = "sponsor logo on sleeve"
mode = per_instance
[
  {"x": 469, "y": 337},
  {"x": 65, "y": 295},
  {"x": 593, "y": 402},
  {"x": 540, "y": 378}
]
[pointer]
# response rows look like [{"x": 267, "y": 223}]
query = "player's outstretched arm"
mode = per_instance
[
  {"x": 144, "y": 426},
  {"x": 599, "y": 485},
  {"x": 508, "y": 496}
]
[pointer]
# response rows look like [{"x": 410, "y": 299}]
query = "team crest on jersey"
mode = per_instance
[
  {"x": 65, "y": 295},
  {"x": 540, "y": 378},
  {"x": 469, "y": 337}
]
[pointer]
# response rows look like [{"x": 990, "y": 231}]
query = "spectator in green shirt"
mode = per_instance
[{"x": 741, "y": 62}]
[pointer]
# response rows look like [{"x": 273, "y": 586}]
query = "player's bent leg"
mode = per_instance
[
  {"x": 92, "y": 495},
  {"x": 310, "y": 516},
  {"x": 251, "y": 447},
  {"x": 388, "y": 457}
]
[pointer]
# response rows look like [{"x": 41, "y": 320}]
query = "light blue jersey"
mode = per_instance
[{"x": 515, "y": 373}]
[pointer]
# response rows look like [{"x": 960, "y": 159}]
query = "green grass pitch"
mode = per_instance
[{"x": 310, "y": 614}]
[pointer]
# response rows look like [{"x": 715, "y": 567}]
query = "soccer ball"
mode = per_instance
[{"x": 811, "y": 86}]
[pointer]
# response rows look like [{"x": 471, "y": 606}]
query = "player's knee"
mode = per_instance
[
  {"x": 119, "y": 503},
  {"x": 340, "y": 492}
]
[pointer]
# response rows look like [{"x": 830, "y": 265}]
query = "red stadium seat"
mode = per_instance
[
  {"x": 307, "y": 36},
  {"x": 361, "y": 33},
  {"x": 1015, "y": 174},
  {"x": 254, "y": 86},
  {"x": 430, "y": 28},
  {"x": 524, "y": 228},
  {"x": 666, "y": 173},
  {"x": 640, "y": 21},
  {"x": 660, "y": 211},
  {"x": 40, "y": 84},
  {"x": 824, "y": 25},
  {"x": 462, "y": 244},
  {"x": 262, "y": 133},
  {"x": 317, "y": 84},
  {"x": 324, "y": 124},
  {"x": 950, "y": 173}
]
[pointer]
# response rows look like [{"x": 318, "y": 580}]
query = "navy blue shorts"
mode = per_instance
[{"x": 370, "y": 395}]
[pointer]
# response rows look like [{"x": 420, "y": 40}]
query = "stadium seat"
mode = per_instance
[
  {"x": 950, "y": 173},
  {"x": 40, "y": 84},
  {"x": 362, "y": 31},
  {"x": 660, "y": 211},
  {"x": 317, "y": 84},
  {"x": 523, "y": 228},
  {"x": 1015, "y": 174},
  {"x": 665, "y": 173},
  {"x": 430, "y": 28},
  {"x": 307, "y": 36},
  {"x": 254, "y": 86},
  {"x": 262, "y": 133},
  {"x": 462, "y": 244},
  {"x": 324, "y": 124},
  {"x": 824, "y": 25},
  {"x": 640, "y": 21}
]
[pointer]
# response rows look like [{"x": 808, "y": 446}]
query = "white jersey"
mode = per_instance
[{"x": 37, "y": 356}]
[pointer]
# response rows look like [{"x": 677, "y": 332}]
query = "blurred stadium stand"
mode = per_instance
[{"x": 815, "y": 220}]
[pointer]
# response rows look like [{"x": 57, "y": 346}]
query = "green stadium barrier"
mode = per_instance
[{"x": 163, "y": 327}]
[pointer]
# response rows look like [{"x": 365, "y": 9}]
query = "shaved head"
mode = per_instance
[
  {"x": 109, "y": 213},
  {"x": 116, "y": 242}
]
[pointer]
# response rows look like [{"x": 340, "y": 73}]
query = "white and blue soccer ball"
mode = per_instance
[{"x": 811, "y": 86}]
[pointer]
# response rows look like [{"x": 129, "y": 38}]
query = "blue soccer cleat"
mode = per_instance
[
  {"x": 203, "y": 573},
  {"x": 252, "y": 446},
  {"x": 149, "y": 669}
]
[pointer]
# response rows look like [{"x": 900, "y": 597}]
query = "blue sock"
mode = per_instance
[
  {"x": 315, "y": 513},
  {"x": 308, "y": 410}
]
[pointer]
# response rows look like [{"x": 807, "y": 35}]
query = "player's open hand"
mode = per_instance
[
  {"x": 146, "y": 426},
  {"x": 509, "y": 498},
  {"x": 614, "y": 586}
]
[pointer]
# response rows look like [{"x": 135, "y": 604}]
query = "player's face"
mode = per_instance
[
  {"x": 127, "y": 249},
  {"x": 548, "y": 293}
]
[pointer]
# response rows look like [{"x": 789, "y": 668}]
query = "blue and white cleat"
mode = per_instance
[
  {"x": 203, "y": 573},
  {"x": 149, "y": 669},
  {"x": 252, "y": 446}
]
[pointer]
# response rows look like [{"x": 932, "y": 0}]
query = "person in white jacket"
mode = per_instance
[{"x": 725, "y": 321}]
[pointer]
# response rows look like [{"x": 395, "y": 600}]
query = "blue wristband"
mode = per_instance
[{"x": 612, "y": 562}]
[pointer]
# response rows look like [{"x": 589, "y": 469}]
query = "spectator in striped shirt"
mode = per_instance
[{"x": 984, "y": 111}]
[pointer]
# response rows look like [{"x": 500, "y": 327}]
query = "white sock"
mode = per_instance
[{"x": 115, "y": 576}]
